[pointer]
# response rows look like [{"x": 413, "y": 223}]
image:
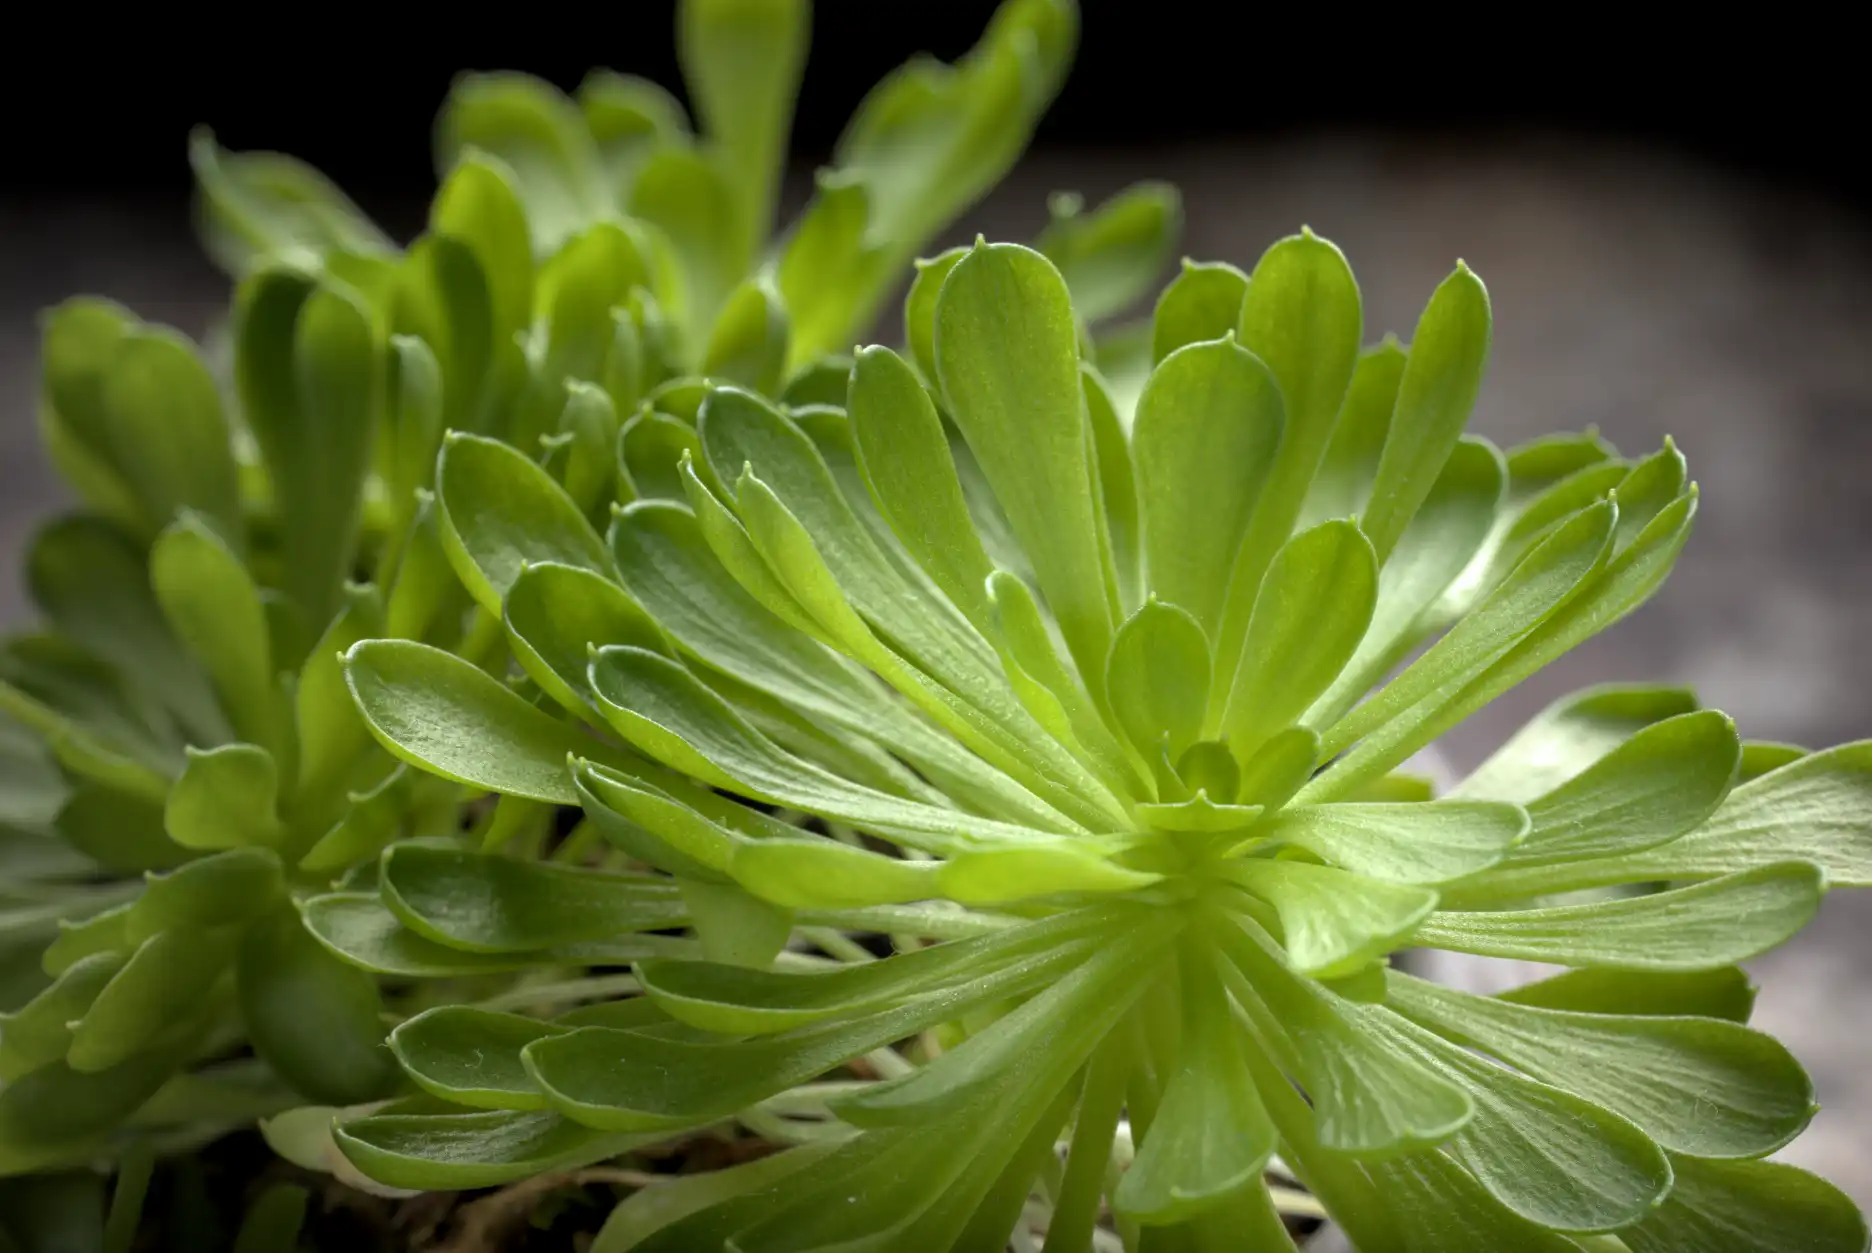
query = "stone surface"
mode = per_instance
[{"x": 1631, "y": 292}]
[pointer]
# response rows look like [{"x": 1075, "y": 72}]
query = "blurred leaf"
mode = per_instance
[{"x": 1112, "y": 255}]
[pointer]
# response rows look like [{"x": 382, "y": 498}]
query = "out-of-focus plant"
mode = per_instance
[
  {"x": 1101, "y": 715},
  {"x": 181, "y": 764}
]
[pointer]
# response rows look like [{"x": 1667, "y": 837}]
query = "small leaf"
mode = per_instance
[
  {"x": 1332, "y": 922},
  {"x": 1367, "y": 1097},
  {"x": 905, "y": 456},
  {"x": 748, "y": 343},
  {"x": 920, "y": 309},
  {"x": 160, "y": 984},
  {"x": 538, "y": 134},
  {"x": 1211, "y": 1136},
  {"x": 1157, "y": 678},
  {"x": 1203, "y": 302},
  {"x": 442, "y": 715},
  {"x": 735, "y": 926},
  {"x": 1431, "y": 842},
  {"x": 1275, "y": 771},
  {"x": 1112, "y": 255},
  {"x": 478, "y": 205},
  {"x": 742, "y": 60},
  {"x": 1343, "y": 483},
  {"x": 556, "y": 614},
  {"x": 39, "y": 1032},
  {"x": 1208, "y": 425},
  {"x": 1314, "y": 606},
  {"x": 1570, "y": 735},
  {"x": 1303, "y": 317},
  {"x": 1007, "y": 356},
  {"x": 1448, "y": 355},
  {"x": 1663, "y": 782},
  {"x": 1715, "y": 1089},
  {"x": 490, "y": 904},
  {"x": 1723, "y": 992},
  {"x": 223, "y": 889},
  {"x": 501, "y": 512},
  {"x": 1760, "y": 1207},
  {"x": 1711, "y": 924},
  {"x": 317, "y": 1022},
  {"x": 629, "y": 118},
  {"x": 227, "y": 797},
  {"x": 255, "y": 207},
  {"x": 690, "y": 199},
  {"x": 452, "y": 1150},
  {"x": 214, "y": 607}
]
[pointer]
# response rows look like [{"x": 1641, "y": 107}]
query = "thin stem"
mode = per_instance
[
  {"x": 592, "y": 987},
  {"x": 837, "y": 944},
  {"x": 1101, "y": 1103}
]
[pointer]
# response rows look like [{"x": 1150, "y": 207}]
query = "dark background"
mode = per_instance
[{"x": 1675, "y": 224}]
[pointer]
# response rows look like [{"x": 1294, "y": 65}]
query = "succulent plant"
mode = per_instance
[
  {"x": 1098, "y": 716},
  {"x": 250, "y": 511}
]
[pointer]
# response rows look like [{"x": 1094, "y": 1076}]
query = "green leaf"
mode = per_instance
[
  {"x": 538, "y": 134},
  {"x": 158, "y": 424},
  {"x": 331, "y": 736},
  {"x": 77, "y": 340},
  {"x": 1748, "y": 1207},
  {"x": 1332, "y": 922},
  {"x": 1433, "y": 552},
  {"x": 227, "y": 797},
  {"x": 369, "y": 820},
  {"x": 223, "y": 889},
  {"x": 930, "y": 140},
  {"x": 691, "y": 201},
  {"x": 735, "y": 1001},
  {"x": 1556, "y": 1160},
  {"x": 671, "y": 717},
  {"x": 357, "y": 928},
  {"x": 451, "y": 1151},
  {"x": 478, "y": 206},
  {"x": 161, "y": 983},
  {"x": 317, "y": 1022},
  {"x": 748, "y": 343},
  {"x": 1367, "y": 1097},
  {"x": 1302, "y": 316},
  {"x": 1431, "y": 842},
  {"x": 1724, "y": 920},
  {"x": 1658, "y": 785},
  {"x": 555, "y": 614},
  {"x": 1007, "y": 356},
  {"x": 624, "y": 1080},
  {"x": 629, "y": 118},
  {"x": 1407, "y": 710},
  {"x": 651, "y": 449},
  {"x": 1208, "y": 425},
  {"x": 501, "y": 512},
  {"x": 1814, "y": 808},
  {"x": 1761, "y": 756},
  {"x": 256, "y": 207},
  {"x": 905, "y": 456},
  {"x": 1346, "y": 472},
  {"x": 1448, "y": 355},
  {"x": 1210, "y": 1137},
  {"x": 920, "y": 309},
  {"x": 1570, "y": 735},
  {"x": 471, "y": 1056},
  {"x": 649, "y": 1210},
  {"x": 1275, "y": 771},
  {"x": 1313, "y": 609},
  {"x": 742, "y": 60},
  {"x": 39, "y": 1032},
  {"x": 1203, "y": 302},
  {"x": 89, "y": 579},
  {"x": 441, "y": 714},
  {"x": 1111, "y": 256},
  {"x": 309, "y": 370},
  {"x": 1723, "y": 992},
  {"x": 274, "y": 1220},
  {"x": 735, "y": 926},
  {"x": 490, "y": 904},
  {"x": 1695, "y": 1085},
  {"x": 828, "y": 278},
  {"x": 214, "y": 607},
  {"x": 1157, "y": 678}
]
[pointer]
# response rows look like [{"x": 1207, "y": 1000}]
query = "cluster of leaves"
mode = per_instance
[
  {"x": 980, "y": 770},
  {"x": 1083, "y": 707},
  {"x": 180, "y": 760}
]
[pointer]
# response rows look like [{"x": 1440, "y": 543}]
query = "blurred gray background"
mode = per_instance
[{"x": 1635, "y": 291}]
